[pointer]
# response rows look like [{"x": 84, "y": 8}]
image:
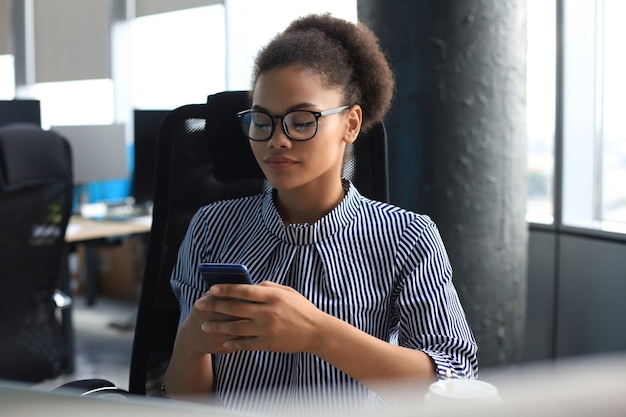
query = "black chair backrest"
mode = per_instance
[
  {"x": 203, "y": 156},
  {"x": 36, "y": 194}
]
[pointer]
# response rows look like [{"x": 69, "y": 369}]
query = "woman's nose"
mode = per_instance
[{"x": 279, "y": 138}]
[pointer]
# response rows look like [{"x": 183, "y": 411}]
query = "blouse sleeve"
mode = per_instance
[{"x": 430, "y": 314}]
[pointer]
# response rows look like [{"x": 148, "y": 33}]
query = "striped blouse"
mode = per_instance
[{"x": 380, "y": 268}]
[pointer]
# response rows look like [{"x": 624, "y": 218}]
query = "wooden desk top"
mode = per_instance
[{"x": 81, "y": 229}]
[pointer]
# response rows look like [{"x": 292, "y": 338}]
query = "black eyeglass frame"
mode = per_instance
[{"x": 316, "y": 115}]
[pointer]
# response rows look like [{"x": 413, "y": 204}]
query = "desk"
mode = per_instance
[
  {"x": 82, "y": 230},
  {"x": 569, "y": 387},
  {"x": 88, "y": 232}
]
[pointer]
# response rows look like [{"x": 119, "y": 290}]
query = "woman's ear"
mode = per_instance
[{"x": 355, "y": 117}]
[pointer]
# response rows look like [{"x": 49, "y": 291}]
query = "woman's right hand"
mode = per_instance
[
  {"x": 190, "y": 370},
  {"x": 196, "y": 340}
]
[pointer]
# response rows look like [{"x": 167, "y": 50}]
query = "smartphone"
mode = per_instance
[{"x": 217, "y": 273}]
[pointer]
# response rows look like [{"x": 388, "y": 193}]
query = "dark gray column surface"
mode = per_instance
[{"x": 458, "y": 147}]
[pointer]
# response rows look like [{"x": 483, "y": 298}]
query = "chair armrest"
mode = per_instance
[{"x": 92, "y": 388}]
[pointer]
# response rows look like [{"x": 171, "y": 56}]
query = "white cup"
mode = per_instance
[{"x": 462, "y": 390}]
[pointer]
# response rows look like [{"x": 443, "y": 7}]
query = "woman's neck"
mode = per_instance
[{"x": 300, "y": 205}]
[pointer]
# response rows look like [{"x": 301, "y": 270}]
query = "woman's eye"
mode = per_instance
[
  {"x": 262, "y": 126},
  {"x": 302, "y": 125}
]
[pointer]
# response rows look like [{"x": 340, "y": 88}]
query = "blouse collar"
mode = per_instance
[{"x": 308, "y": 234}]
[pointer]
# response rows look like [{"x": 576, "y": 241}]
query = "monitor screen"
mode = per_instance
[
  {"x": 98, "y": 151},
  {"x": 147, "y": 125},
  {"x": 24, "y": 111}
]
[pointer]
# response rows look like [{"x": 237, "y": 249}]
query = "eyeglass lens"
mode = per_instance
[{"x": 298, "y": 125}]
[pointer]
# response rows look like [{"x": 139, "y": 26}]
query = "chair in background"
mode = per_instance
[{"x": 35, "y": 205}]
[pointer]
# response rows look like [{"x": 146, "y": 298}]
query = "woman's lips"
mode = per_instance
[{"x": 279, "y": 162}]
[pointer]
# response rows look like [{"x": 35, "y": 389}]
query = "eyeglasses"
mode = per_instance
[{"x": 298, "y": 125}]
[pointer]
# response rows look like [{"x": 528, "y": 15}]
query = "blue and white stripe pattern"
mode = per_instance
[{"x": 378, "y": 267}]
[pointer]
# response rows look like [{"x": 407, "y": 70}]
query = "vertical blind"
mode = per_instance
[
  {"x": 148, "y": 7},
  {"x": 72, "y": 40},
  {"x": 5, "y": 28}
]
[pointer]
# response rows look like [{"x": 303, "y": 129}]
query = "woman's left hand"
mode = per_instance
[{"x": 273, "y": 317}]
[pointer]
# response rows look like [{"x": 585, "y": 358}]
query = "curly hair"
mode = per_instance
[{"x": 346, "y": 55}]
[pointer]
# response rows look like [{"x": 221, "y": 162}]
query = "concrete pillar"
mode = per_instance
[{"x": 457, "y": 132}]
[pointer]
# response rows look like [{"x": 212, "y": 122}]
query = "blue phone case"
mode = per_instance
[{"x": 217, "y": 273}]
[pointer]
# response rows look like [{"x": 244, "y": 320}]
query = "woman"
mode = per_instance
[{"x": 350, "y": 291}]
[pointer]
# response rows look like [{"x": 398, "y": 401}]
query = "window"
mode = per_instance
[
  {"x": 593, "y": 91},
  {"x": 177, "y": 58},
  {"x": 7, "y": 77},
  {"x": 541, "y": 100},
  {"x": 594, "y": 136},
  {"x": 87, "y": 102},
  {"x": 613, "y": 112}
]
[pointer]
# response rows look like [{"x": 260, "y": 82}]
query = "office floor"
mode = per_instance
[{"x": 104, "y": 338}]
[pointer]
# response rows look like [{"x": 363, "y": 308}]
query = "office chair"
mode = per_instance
[
  {"x": 203, "y": 156},
  {"x": 35, "y": 206}
]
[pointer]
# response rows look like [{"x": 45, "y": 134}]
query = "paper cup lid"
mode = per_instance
[{"x": 463, "y": 389}]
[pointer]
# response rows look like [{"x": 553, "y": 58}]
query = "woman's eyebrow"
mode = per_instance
[{"x": 294, "y": 107}]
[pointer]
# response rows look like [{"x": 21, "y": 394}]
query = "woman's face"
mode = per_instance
[{"x": 317, "y": 162}]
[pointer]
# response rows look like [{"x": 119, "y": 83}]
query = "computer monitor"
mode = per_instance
[
  {"x": 147, "y": 125},
  {"x": 98, "y": 151},
  {"x": 24, "y": 111}
]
